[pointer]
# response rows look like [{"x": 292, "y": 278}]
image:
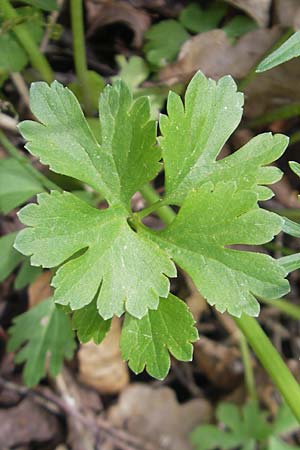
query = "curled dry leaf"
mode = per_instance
[
  {"x": 213, "y": 53},
  {"x": 259, "y": 10},
  {"x": 156, "y": 415},
  {"x": 101, "y": 366},
  {"x": 103, "y": 12}
]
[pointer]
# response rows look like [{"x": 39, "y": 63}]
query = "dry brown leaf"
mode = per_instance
[
  {"x": 219, "y": 363},
  {"x": 155, "y": 415},
  {"x": 213, "y": 53},
  {"x": 25, "y": 423},
  {"x": 106, "y": 12},
  {"x": 287, "y": 13},
  {"x": 259, "y": 10},
  {"x": 273, "y": 88},
  {"x": 40, "y": 289},
  {"x": 101, "y": 366}
]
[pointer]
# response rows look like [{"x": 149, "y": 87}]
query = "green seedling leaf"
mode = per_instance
[
  {"x": 132, "y": 71},
  {"x": 43, "y": 338},
  {"x": 96, "y": 85},
  {"x": 238, "y": 26},
  {"x": 109, "y": 262},
  {"x": 288, "y": 50},
  {"x": 198, "y": 20},
  {"x": 46, "y": 5},
  {"x": 115, "y": 251},
  {"x": 145, "y": 342},
  {"x": 163, "y": 42},
  {"x": 10, "y": 258},
  {"x": 89, "y": 324},
  {"x": 13, "y": 57},
  {"x": 17, "y": 185},
  {"x": 192, "y": 138},
  {"x": 242, "y": 429},
  {"x": 198, "y": 241},
  {"x": 126, "y": 158}
]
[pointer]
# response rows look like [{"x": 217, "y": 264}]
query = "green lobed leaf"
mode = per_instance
[
  {"x": 192, "y": 138},
  {"x": 238, "y": 26},
  {"x": 116, "y": 259},
  {"x": 132, "y": 71},
  {"x": 198, "y": 20},
  {"x": 146, "y": 342},
  {"x": 89, "y": 325},
  {"x": 163, "y": 41},
  {"x": 16, "y": 185},
  {"x": 126, "y": 158},
  {"x": 210, "y": 220},
  {"x": 237, "y": 429},
  {"x": 10, "y": 258},
  {"x": 288, "y": 50},
  {"x": 43, "y": 337}
]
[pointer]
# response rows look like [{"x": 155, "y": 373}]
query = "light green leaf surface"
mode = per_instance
[
  {"x": 192, "y": 138},
  {"x": 16, "y": 185},
  {"x": 198, "y": 20},
  {"x": 89, "y": 325},
  {"x": 278, "y": 444},
  {"x": 9, "y": 257},
  {"x": 132, "y": 71},
  {"x": 212, "y": 219},
  {"x": 288, "y": 50},
  {"x": 46, "y": 333},
  {"x": 295, "y": 167},
  {"x": 163, "y": 41},
  {"x": 116, "y": 259},
  {"x": 126, "y": 158},
  {"x": 146, "y": 342}
]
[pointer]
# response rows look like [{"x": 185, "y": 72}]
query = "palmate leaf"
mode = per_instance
[
  {"x": 146, "y": 342},
  {"x": 47, "y": 334},
  {"x": 116, "y": 261},
  {"x": 108, "y": 260}
]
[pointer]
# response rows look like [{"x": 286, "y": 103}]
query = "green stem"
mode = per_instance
[
  {"x": 249, "y": 375},
  {"x": 166, "y": 213},
  {"x": 79, "y": 52},
  {"x": 38, "y": 60},
  {"x": 272, "y": 362},
  {"x": 14, "y": 152}
]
